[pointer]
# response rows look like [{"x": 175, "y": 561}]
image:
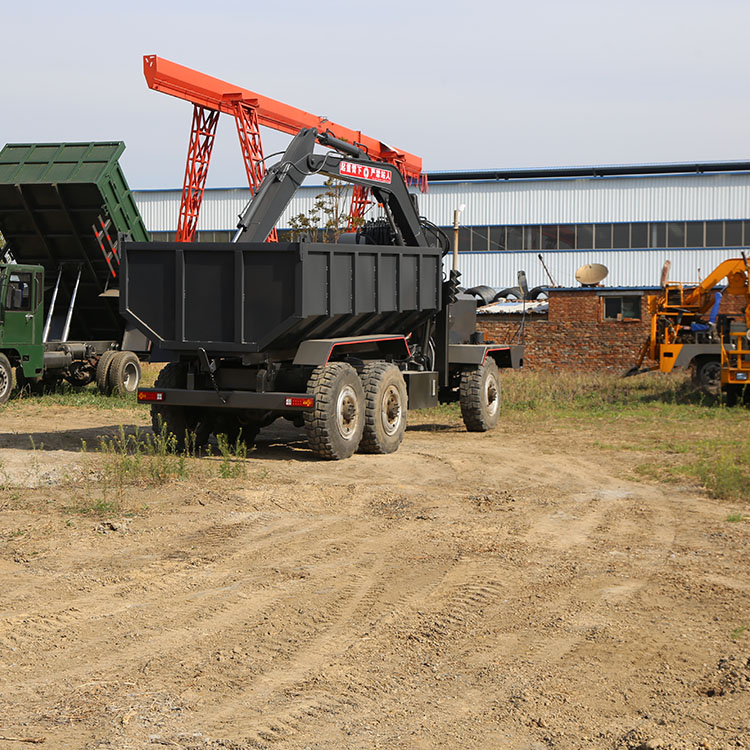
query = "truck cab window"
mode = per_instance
[{"x": 18, "y": 296}]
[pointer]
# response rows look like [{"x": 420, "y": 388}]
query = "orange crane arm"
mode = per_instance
[
  {"x": 734, "y": 269},
  {"x": 215, "y": 94}
]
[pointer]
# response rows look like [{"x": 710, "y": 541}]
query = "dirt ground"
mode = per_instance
[{"x": 517, "y": 589}]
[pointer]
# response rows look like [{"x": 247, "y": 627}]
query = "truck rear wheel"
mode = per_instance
[
  {"x": 479, "y": 395},
  {"x": 124, "y": 373},
  {"x": 334, "y": 426},
  {"x": 102, "y": 371},
  {"x": 6, "y": 378},
  {"x": 187, "y": 426},
  {"x": 385, "y": 408}
]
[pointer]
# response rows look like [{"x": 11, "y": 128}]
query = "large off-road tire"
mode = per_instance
[
  {"x": 334, "y": 426},
  {"x": 385, "y": 408},
  {"x": 479, "y": 396},
  {"x": 190, "y": 427},
  {"x": 124, "y": 373},
  {"x": 102, "y": 371},
  {"x": 707, "y": 375},
  {"x": 6, "y": 378}
]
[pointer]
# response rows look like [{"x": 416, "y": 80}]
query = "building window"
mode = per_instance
[
  {"x": 621, "y": 236},
  {"x": 639, "y": 235},
  {"x": 549, "y": 237},
  {"x": 531, "y": 238},
  {"x": 714, "y": 234},
  {"x": 625, "y": 307},
  {"x": 676, "y": 234},
  {"x": 585, "y": 236},
  {"x": 479, "y": 238},
  {"x": 567, "y": 237},
  {"x": 694, "y": 234},
  {"x": 624, "y": 236},
  {"x": 658, "y": 235},
  {"x": 603, "y": 236},
  {"x": 732, "y": 234},
  {"x": 464, "y": 239},
  {"x": 497, "y": 238},
  {"x": 515, "y": 238}
]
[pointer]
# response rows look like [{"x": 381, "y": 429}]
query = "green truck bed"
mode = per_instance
[{"x": 51, "y": 197}]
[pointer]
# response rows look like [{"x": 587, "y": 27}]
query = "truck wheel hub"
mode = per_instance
[
  {"x": 391, "y": 411},
  {"x": 348, "y": 412},
  {"x": 491, "y": 395}
]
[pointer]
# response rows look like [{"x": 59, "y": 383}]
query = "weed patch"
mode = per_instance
[{"x": 233, "y": 457}]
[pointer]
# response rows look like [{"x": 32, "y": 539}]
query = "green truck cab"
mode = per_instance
[{"x": 21, "y": 323}]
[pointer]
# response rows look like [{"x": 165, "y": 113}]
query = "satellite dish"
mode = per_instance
[
  {"x": 591, "y": 274},
  {"x": 665, "y": 274}
]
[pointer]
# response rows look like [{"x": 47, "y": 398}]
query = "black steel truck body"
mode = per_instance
[{"x": 336, "y": 336}]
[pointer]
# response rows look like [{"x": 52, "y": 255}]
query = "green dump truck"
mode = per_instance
[{"x": 61, "y": 208}]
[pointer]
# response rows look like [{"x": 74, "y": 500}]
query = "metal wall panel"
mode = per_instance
[
  {"x": 626, "y": 267},
  {"x": 551, "y": 201}
]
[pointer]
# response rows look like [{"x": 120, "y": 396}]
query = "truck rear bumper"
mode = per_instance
[{"x": 272, "y": 401}]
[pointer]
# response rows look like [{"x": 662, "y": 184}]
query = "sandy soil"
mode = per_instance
[{"x": 509, "y": 590}]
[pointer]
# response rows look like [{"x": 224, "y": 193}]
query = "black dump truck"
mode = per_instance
[
  {"x": 61, "y": 208},
  {"x": 336, "y": 337}
]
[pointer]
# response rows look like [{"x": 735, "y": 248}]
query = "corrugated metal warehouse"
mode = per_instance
[{"x": 630, "y": 218}]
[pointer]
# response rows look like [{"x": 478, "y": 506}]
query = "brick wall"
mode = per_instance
[{"x": 573, "y": 335}]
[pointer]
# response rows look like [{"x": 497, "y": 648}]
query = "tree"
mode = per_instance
[{"x": 328, "y": 218}]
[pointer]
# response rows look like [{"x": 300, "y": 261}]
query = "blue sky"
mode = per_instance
[{"x": 464, "y": 85}]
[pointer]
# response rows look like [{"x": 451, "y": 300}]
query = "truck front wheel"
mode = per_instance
[
  {"x": 385, "y": 408},
  {"x": 479, "y": 396},
  {"x": 334, "y": 426},
  {"x": 6, "y": 379}
]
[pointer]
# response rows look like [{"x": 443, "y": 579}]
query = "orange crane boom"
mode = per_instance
[
  {"x": 211, "y": 96},
  {"x": 213, "y": 93}
]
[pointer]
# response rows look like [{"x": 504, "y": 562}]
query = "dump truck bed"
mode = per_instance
[
  {"x": 51, "y": 196},
  {"x": 251, "y": 297}
]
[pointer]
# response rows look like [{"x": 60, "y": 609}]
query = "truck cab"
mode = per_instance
[{"x": 21, "y": 318}]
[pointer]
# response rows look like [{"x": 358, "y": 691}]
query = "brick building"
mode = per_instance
[{"x": 585, "y": 328}]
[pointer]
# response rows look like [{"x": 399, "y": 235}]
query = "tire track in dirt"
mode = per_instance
[
  {"x": 234, "y": 597},
  {"x": 420, "y": 619},
  {"x": 345, "y": 618},
  {"x": 575, "y": 604}
]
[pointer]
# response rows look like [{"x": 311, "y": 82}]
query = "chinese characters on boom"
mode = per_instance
[{"x": 375, "y": 174}]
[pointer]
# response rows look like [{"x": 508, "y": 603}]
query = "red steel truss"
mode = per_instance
[
  {"x": 246, "y": 119},
  {"x": 202, "y": 134},
  {"x": 211, "y": 96}
]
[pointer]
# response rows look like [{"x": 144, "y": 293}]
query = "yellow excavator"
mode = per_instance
[{"x": 687, "y": 330}]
